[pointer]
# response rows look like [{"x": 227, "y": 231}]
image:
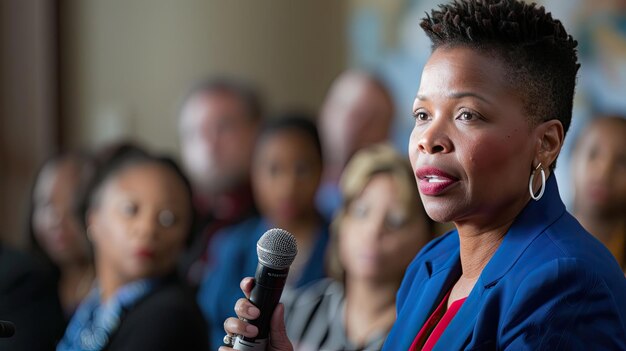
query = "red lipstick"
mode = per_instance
[
  {"x": 433, "y": 181},
  {"x": 145, "y": 253}
]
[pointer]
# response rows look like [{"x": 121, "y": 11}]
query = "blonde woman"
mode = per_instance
[{"x": 378, "y": 230}]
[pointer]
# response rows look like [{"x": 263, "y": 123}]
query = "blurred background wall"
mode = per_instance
[
  {"x": 80, "y": 73},
  {"x": 29, "y": 119},
  {"x": 125, "y": 63}
]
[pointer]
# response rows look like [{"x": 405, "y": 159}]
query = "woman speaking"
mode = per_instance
[{"x": 519, "y": 272}]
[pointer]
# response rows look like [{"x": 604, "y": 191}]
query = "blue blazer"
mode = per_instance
[{"x": 549, "y": 286}]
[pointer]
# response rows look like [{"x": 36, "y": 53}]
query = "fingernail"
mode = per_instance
[
  {"x": 253, "y": 312},
  {"x": 251, "y": 329}
]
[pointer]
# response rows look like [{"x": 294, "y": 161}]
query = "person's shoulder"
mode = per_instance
[
  {"x": 316, "y": 304},
  {"x": 576, "y": 272},
  {"x": 19, "y": 271},
  {"x": 172, "y": 300},
  {"x": 235, "y": 237},
  {"x": 566, "y": 302},
  {"x": 314, "y": 292},
  {"x": 567, "y": 241},
  {"x": 168, "y": 317},
  {"x": 244, "y": 230}
]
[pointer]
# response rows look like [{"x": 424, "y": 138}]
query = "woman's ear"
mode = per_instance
[{"x": 550, "y": 140}]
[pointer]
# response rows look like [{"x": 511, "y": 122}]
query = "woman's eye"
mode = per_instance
[
  {"x": 467, "y": 116},
  {"x": 273, "y": 170},
  {"x": 130, "y": 209},
  {"x": 166, "y": 218},
  {"x": 420, "y": 116},
  {"x": 395, "y": 221}
]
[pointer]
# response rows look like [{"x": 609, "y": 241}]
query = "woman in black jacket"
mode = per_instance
[{"x": 138, "y": 215}]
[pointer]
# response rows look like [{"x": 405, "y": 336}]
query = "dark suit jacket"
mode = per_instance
[
  {"x": 29, "y": 299},
  {"x": 549, "y": 286},
  {"x": 168, "y": 319}
]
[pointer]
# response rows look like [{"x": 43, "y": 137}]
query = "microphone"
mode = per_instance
[
  {"x": 7, "y": 329},
  {"x": 276, "y": 249}
]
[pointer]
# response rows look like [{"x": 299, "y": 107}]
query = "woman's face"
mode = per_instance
[
  {"x": 56, "y": 226},
  {"x": 472, "y": 145},
  {"x": 140, "y": 223},
  {"x": 286, "y": 174},
  {"x": 600, "y": 169},
  {"x": 378, "y": 237}
]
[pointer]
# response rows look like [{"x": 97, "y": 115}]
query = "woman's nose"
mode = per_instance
[{"x": 434, "y": 138}]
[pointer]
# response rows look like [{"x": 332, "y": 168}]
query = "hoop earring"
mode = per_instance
[{"x": 543, "y": 183}]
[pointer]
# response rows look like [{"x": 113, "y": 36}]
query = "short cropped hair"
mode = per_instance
[{"x": 539, "y": 55}]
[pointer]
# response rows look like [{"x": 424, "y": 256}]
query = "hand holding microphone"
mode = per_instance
[
  {"x": 246, "y": 310},
  {"x": 261, "y": 324}
]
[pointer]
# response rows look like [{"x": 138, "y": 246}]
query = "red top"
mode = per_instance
[{"x": 436, "y": 324}]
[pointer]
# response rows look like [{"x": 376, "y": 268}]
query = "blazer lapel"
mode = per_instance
[
  {"x": 443, "y": 274},
  {"x": 458, "y": 332}
]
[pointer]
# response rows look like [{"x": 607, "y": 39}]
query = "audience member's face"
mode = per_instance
[
  {"x": 55, "y": 224},
  {"x": 377, "y": 237},
  {"x": 217, "y": 137},
  {"x": 285, "y": 176},
  {"x": 140, "y": 222},
  {"x": 471, "y": 139},
  {"x": 355, "y": 114},
  {"x": 599, "y": 167}
]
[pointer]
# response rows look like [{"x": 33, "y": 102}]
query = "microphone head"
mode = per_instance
[{"x": 277, "y": 249}]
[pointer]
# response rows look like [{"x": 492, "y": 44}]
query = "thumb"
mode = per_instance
[{"x": 278, "y": 333}]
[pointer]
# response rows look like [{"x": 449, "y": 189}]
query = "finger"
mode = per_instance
[
  {"x": 246, "y": 285},
  {"x": 237, "y": 326},
  {"x": 278, "y": 332},
  {"x": 225, "y": 348},
  {"x": 245, "y": 309}
]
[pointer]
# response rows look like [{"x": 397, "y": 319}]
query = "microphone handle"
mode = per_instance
[{"x": 265, "y": 295}]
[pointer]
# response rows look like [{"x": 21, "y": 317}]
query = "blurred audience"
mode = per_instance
[
  {"x": 138, "y": 210},
  {"x": 218, "y": 124},
  {"x": 29, "y": 299},
  {"x": 56, "y": 233},
  {"x": 377, "y": 232},
  {"x": 358, "y": 111},
  {"x": 286, "y": 173},
  {"x": 599, "y": 177}
]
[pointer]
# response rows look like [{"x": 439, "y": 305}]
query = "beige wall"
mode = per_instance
[
  {"x": 125, "y": 63},
  {"x": 28, "y": 130}
]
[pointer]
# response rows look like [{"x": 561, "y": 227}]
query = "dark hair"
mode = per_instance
[
  {"x": 243, "y": 91},
  {"x": 293, "y": 121},
  {"x": 85, "y": 165},
  {"x": 120, "y": 157},
  {"x": 540, "y": 56}
]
